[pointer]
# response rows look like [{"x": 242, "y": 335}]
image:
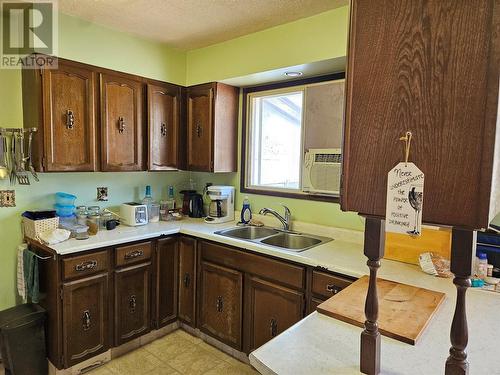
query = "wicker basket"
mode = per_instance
[{"x": 33, "y": 228}]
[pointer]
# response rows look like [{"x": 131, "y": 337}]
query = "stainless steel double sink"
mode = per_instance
[{"x": 284, "y": 240}]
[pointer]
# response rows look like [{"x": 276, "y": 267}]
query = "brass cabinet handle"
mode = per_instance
[
  {"x": 132, "y": 304},
  {"x": 121, "y": 125},
  {"x": 198, "y": 130},
  {"x": 70, "y": 119},
  {"x": 332, "y": 289},
  {"x": 134, "y": 254},
  {"x": 187, "y": 280},
  {"x": 163, "y": 129},
  {"x": 273, "y": 327},
  {"x": 219, "y": 304},
  {"x": 86, "y": 320},
  {"x": 86, "y": 266}
]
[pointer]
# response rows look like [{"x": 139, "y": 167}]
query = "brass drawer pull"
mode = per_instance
[
  {"x": 70, "y": 119},
  {"x": 132, "y": 304},
  {"x": 86, "y": 266},
  {"x": 219, "y": 304},
  {"x": 134, "y": 254},
  {"x": 121, "y": 125},
  {"x": 163, "y": 129},
  {"x": 332, "y": 288},
  {"x": 86, "y": 321},
  {"x": 187, "y": 280},
  {"x": 273, "y": 327}
]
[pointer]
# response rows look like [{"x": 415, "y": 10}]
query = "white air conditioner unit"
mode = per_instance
[{"x": 321, "y": 171}]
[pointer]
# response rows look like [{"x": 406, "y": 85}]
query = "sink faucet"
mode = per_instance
[{"x": 285, "y": 221}]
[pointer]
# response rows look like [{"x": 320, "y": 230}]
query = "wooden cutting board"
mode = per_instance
[{"x": 404, "y": 310}]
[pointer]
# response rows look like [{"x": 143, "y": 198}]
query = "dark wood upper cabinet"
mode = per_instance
[
  {"x": 122, "y": 127},
  {"x": 221, "y": 302},
  {"x": 270, "y": 310},
  {"x": 85, "y": 319},
  {"x": 61, "y": 104},
  {"x": 132, "y": 302},
  {"x": 432, "y": 68},
  {"x": 187, "y": 279},
  {"x": 212, "y": 117},
  {"x": 166, "y": 280},
  {"x": 163, "y": 126}
]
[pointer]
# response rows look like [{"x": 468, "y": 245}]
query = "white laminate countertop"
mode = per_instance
[{"x": 322, "y": 345}]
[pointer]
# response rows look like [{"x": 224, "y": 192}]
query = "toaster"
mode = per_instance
[{"x": 133, "y": 214}]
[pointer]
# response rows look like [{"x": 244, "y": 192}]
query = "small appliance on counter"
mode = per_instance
[
  {"x": 221, "y": 207},
  {"x": 133, "y": 214},
  {"x": 196, "y": 206}
]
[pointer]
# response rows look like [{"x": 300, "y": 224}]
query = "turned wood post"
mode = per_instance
[
  {"x": 370, "y": 337},
  {"x": 463, "y": 245}
]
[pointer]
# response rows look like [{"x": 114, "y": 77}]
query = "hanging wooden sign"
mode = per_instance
[{"x": 405, "y": 196}]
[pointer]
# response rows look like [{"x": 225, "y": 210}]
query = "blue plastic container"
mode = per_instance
[
  {"x": 65, "y": 199},
  {"x": 64, "y": 210}
]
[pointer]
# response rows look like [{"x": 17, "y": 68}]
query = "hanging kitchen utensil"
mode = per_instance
[
  {"x": 13, "y": 176},
  {"x": 22, "y": 175},
  {"x": 4, "y": 167},
  {"x": 30, "y": 162}
]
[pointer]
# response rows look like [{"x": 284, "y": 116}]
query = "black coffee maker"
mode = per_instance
[{"x": 192, "y": 203}]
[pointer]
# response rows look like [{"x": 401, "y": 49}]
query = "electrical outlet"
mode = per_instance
[
  {"x": 7, "y": 198},
  {"x": 102, "y": 194}
]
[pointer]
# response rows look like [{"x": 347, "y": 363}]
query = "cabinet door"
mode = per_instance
[
  {"x": 271, "y": 309},
  {"x": 187, "y": 279},
  {"x": 200, "y": 127},
  {"x": 221, "y": 303},
  {"x": 122, "y": 142},
  {"x": 166, "y": 281},
  {"x": 132, "y": 313},
  {"x": 85, "y": 319},
  {"x": 163, "y": 126},
  {"x": 69, "y": 118}
]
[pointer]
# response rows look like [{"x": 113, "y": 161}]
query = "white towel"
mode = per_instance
[
  {"x": 21, "y": 286},
  {"x": 54, "y": 236}
]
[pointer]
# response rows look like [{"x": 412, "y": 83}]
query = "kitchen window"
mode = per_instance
[{"x": 276, "y": 137}]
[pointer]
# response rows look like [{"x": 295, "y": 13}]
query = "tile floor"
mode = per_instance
[{"x": 178, "y": 353}]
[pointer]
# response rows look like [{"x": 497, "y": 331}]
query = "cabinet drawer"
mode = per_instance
[
  {"x": 326, "y": 285},
  {"x": 85, "y": 265},
  {"x": 284, "y": 273},
  {"x": 131, "y": 254}
]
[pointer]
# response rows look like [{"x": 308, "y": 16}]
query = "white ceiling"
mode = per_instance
[{"x": 189, "y": 24}]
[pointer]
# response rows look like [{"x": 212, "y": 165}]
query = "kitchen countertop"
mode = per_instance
[{"x": 322, "y": 345}]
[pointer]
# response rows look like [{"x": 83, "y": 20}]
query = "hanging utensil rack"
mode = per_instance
[{"x": 16, "y": 155}]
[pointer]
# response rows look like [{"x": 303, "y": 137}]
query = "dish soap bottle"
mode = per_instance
[
  {"x": 246, "y": 212},
  {"x": 148, "y": 201}
]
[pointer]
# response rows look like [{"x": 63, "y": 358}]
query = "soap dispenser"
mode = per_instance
[{"x": 246, "y": 212}]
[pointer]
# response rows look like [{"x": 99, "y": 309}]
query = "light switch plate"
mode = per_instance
[
  {"x": 7, "y": 198},
  {"x": 102, "y": 194}
]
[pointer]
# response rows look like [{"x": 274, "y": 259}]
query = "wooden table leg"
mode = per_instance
[
  {"x": 370, "y": 337},
  {"x": 463, "y": 245}
]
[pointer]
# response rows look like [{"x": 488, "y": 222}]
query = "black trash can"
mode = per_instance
[{"x": 22, "y": 340}]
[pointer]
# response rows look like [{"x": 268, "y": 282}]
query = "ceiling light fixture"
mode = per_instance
[{"x": 293, "y": 74}]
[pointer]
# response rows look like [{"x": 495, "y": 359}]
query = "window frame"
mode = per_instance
[{"x": 286, "y": 86}]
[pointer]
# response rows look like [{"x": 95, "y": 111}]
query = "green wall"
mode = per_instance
[
  {"x": 316, "y": 38},
  {"x": 311, "y": 39}
]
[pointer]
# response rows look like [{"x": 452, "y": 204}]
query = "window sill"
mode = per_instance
[{"x": 293, "y": 195}]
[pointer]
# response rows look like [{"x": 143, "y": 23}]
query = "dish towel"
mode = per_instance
[
  {"x": 30, "y": 264},
  {"x": 21, "y": 285}
]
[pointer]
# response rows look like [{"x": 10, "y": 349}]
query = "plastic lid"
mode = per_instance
[
  {"x": 65, "y": 195},
  {"x": 482, "y": 256}
]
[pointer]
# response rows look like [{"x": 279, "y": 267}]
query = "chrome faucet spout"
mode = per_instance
[{"x": 285, "y": 221}]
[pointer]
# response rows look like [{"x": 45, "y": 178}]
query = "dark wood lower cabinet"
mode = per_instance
[
  {"x": 85, "y": 318},
  {"x": 132, "y": 302},
  {"x": 270, "y": 309},
  {"x": 187, "y": 279},
  {"x": 166, "y": 277},
  {"x": 220, "y": 307}
]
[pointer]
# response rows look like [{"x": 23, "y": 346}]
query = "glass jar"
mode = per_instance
[
  {"x": 81, "y": 215},
  {"x": 105, "y": 217},
  {"x": 154, "y": 214}
]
